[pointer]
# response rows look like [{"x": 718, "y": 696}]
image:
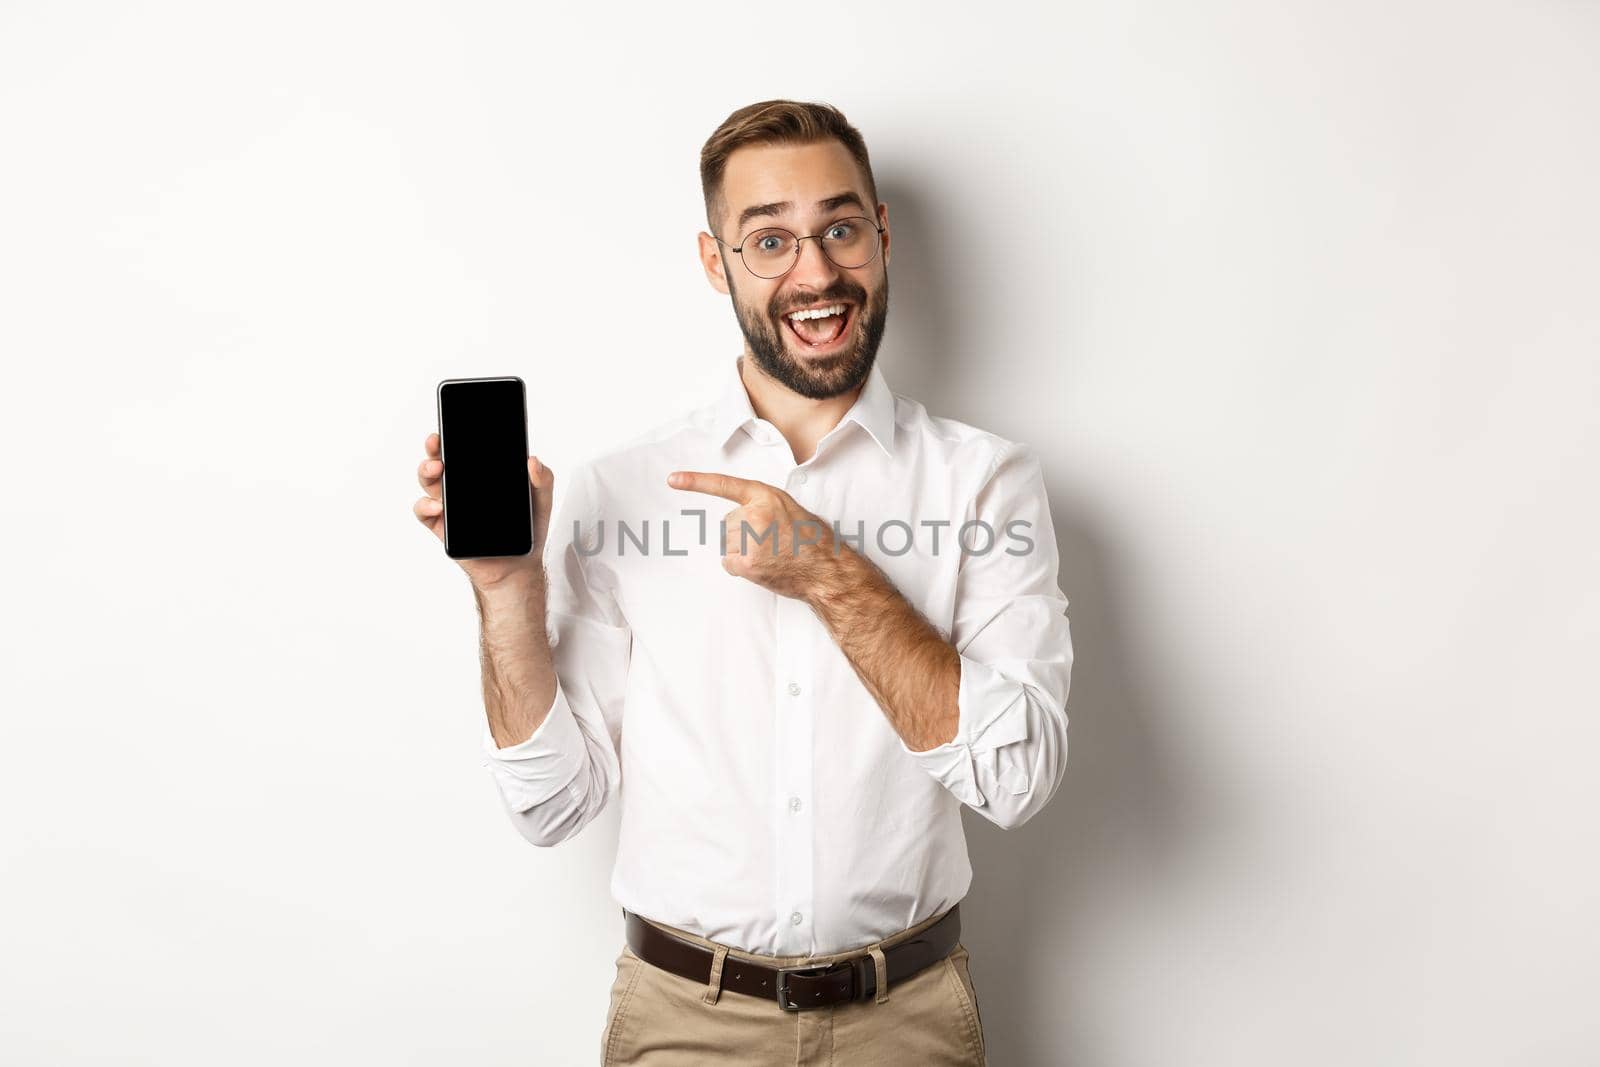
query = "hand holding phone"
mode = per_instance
[{"x": 492, "y": 509}]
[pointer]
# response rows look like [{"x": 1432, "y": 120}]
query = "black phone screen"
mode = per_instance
[{"x": 483, "y": 441}]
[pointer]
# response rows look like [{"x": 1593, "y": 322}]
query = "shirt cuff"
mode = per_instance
[
  {"x": 992, "y": 711},
  {"x": 532, "y": 771}
]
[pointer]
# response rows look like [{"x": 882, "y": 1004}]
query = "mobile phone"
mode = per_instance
[{"x": 483, "y": 441}]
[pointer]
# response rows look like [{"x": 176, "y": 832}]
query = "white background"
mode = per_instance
[{"x": 1298, "y": 302}]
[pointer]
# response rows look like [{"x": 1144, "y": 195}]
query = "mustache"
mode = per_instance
[{"x": 837, "y": 296}]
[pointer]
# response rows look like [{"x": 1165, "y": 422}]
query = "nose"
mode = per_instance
[{"x": 812, "y": 266}]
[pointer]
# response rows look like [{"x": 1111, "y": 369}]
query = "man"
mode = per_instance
[{"x": 791, "y": 733}]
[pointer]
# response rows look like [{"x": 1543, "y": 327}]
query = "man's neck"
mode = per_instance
[{"x": 802, "y": 420}]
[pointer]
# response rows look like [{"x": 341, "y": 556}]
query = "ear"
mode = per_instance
[
  {"x": 711, "y": 262},
  {"x": 883, "y": 220}
]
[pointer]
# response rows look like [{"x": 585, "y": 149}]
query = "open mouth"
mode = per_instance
[{"x": 823, "y": 328}]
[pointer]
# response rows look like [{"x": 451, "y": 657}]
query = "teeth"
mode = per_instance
[{"x": 818, "y": 313}]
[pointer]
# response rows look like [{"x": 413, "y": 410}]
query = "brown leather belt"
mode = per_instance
[{"x": 796, "y": 988}]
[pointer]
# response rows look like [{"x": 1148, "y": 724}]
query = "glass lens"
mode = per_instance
[
  {"x": 850, "y": 242},
  {"x": 768, "y": 253}
]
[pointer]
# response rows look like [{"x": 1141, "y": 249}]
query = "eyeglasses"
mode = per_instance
[{"x": 773, "y": 251}]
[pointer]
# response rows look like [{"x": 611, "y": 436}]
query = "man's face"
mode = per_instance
[{"x": 823, "y": 357}]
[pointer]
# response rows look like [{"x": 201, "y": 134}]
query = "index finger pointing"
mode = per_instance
[{"x": 739, "y": 490}]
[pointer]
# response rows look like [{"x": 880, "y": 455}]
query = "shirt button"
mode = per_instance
[
  {"x": 794, "y": 689},
  {"x": 794, "y": 803},
  {"x": 799, "y": 477},
  {"x": 796, "y": 918}
]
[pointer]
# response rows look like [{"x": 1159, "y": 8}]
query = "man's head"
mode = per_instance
[{"x": 802, "y": 168}]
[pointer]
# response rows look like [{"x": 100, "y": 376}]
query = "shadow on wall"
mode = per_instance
[{"x": 1119, "y": 817}]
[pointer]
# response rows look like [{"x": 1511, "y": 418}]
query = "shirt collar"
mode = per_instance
[{"x": 873, "y": 410}]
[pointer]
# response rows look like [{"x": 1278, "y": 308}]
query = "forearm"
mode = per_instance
[
  {"x": 909, "y": 668},
  {"x": 519, "y": 677}
]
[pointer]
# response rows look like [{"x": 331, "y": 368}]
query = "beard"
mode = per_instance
[{"x": 817, "y": 379}]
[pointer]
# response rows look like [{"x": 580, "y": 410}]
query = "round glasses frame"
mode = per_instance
[{"x": 877, "y": 246}]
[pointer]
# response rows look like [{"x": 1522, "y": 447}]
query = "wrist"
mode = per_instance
[{"x": 512, "y": 594}]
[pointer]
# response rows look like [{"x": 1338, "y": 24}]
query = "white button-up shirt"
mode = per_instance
[{"x": 766, "y": 801}]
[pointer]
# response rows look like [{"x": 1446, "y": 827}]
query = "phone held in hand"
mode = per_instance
[{"x": 483, "y": 441}]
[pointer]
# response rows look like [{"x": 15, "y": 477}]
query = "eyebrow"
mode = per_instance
[{"x": 781, "y": 206}]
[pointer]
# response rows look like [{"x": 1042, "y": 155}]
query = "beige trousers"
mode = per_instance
[{"x": 659, "y": 1019}]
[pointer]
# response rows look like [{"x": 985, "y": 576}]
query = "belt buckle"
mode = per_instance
[{"x": 808, "y": 972}]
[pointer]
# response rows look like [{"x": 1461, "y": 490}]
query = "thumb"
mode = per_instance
[{"x": 543, "y": 480}]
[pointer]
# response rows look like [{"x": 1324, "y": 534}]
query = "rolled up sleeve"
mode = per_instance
[
  {"x": 1014, "y": 640},
  {"x": 533, "y": 771},
  {"x": 557, "y": 781}
]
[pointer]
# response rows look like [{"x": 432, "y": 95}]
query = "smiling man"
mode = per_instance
[{"x": 849, "y": 628}]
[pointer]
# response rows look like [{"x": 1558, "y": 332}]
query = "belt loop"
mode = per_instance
[
  {"x": 881, "y": 964},
  {"x": 714, "y": 986}
]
